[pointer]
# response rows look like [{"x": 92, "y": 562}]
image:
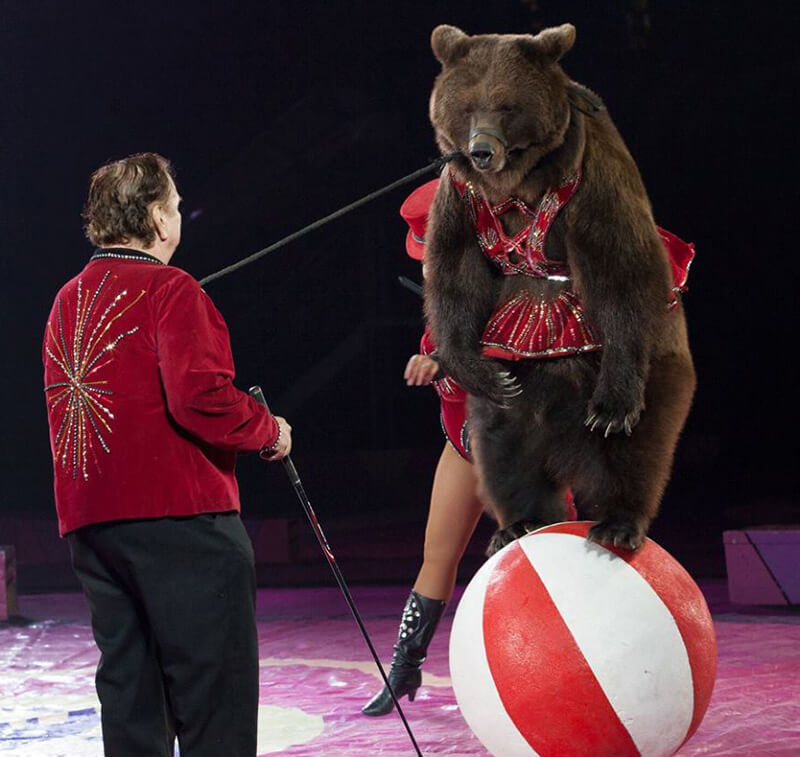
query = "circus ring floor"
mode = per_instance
[{"x": 316, "y": 672}]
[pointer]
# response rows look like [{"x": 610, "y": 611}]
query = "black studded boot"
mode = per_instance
[{"x": 421, "y": 615}]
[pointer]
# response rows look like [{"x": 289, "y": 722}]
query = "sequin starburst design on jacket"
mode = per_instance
[{"x": 81, "y": 404}]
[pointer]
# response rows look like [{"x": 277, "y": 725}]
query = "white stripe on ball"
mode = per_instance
[{"x": 606, "y": 603}]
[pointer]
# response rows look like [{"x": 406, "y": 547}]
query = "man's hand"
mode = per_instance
[
  {"x": 282, "y": 445},
  {"x": 420, "y": 370}
]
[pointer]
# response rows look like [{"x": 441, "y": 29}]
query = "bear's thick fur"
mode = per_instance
[{"x": 604, "y": 423}]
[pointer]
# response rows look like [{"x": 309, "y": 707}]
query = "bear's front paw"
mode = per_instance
[
  {"x": 486, "y": 378},
  {"x": 503, "y": 389},
  {"x": 613, "y": 411},
  {"x": 504, "y": 536},
  {"x": 618, "y": 531}
]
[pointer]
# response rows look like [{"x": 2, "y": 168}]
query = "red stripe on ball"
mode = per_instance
[{"x": 548, "y": 705}]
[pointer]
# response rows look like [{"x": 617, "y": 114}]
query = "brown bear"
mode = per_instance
[{"x": 550, "y": 292}]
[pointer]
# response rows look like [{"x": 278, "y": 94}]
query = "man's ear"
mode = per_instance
[{"x": 157, "y": 216}]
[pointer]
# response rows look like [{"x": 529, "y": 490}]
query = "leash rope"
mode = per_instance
[{"x": 437, "y": 165}]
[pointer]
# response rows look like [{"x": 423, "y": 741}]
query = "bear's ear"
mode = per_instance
[
  {"x": 448, "y": 43},
  {"x": 554, "y": 42}
]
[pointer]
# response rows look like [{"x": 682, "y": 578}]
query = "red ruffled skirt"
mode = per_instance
[
  {"x": 534, "y": 326},
  {"x": 528, "y": 326}
]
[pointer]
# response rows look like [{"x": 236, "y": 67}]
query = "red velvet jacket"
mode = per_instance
[{"x": 144, "y": 419}]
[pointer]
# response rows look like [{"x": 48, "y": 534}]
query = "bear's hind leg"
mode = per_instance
[{"x": 511, "y": 468}]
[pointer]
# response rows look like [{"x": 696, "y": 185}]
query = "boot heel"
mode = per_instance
[{"x": 420, "y": 617}]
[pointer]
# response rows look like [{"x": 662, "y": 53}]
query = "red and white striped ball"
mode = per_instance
[{"x": 563, "y": 647}]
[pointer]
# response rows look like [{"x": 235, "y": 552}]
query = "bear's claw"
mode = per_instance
[
  {"x": 617, "y": 532},
  {"x": 612, "y": 424},
  {"x": 616, "y": 407},
  {"x": 482, "y": 378},
  {"x": 504, "y": 536},
  {"x": 509, "y": 388}
]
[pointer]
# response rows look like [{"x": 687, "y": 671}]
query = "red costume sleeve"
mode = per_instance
[{"x": 196, "y": 366}]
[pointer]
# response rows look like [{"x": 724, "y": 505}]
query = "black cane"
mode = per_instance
[
  {"x": 291, "y": 471},
  {"x": 410, "y": 285}
]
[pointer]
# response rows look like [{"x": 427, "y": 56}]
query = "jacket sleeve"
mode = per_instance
[{"x": 196, "y": 367}]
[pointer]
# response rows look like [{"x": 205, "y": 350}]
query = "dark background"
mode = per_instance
[{"x": 276, "y": 113}]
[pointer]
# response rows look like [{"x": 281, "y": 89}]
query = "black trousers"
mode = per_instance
[{"x": 173, "y": 614}]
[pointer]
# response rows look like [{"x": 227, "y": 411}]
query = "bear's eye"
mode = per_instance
[{"x": 508, "y": 108}]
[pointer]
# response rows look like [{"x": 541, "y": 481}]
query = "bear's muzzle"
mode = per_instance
[{"x": 487, "y": 149}]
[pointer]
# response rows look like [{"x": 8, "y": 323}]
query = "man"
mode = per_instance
[{"x": 145, "y": 424}]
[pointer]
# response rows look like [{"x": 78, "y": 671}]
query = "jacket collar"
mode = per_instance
[{"x": 124, "y": 253}]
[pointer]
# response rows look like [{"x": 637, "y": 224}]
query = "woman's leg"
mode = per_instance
[{"x": 453, "y": 515}]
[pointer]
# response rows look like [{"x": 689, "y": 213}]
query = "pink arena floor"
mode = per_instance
[{"x": 316, "y": 672}]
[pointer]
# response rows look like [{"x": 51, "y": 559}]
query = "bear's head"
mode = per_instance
[{"x": 501, "y": 100}]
